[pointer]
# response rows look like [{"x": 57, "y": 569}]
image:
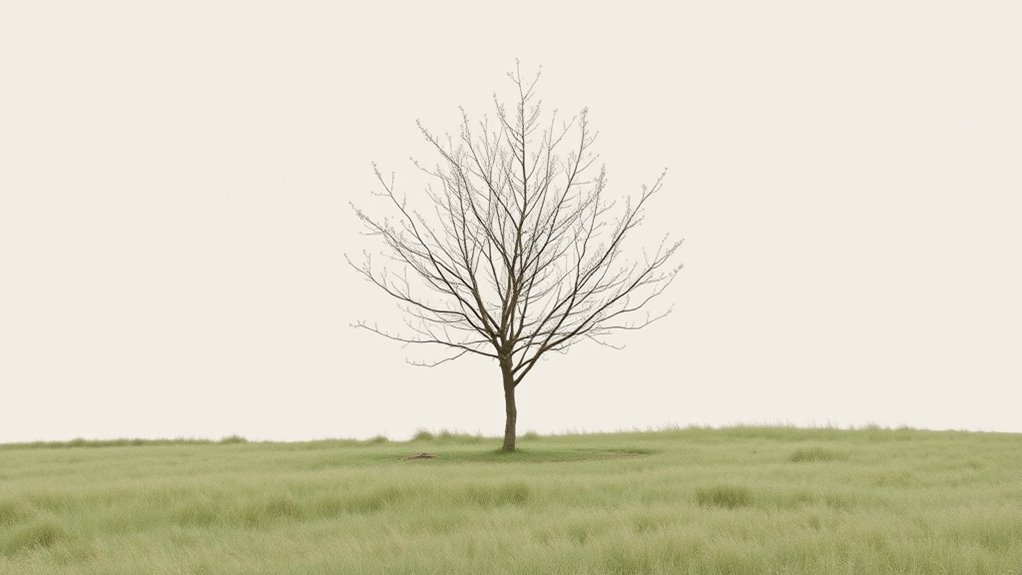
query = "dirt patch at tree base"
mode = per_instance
[{"x": 422, "y": 455}]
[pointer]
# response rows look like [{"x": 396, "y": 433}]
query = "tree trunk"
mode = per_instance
[{"x": 509, "y": 407}]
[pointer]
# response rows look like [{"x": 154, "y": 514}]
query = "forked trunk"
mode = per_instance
[{"x": 509, "y": 407}]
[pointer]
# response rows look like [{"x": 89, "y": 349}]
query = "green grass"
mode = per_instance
[{"x": 744, "y": 500}]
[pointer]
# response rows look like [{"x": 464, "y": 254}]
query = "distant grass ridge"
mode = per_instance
[{"x": 124, "y": 442}]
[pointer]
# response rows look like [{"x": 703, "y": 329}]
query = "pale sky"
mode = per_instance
[{"x": 175, "y": 180}]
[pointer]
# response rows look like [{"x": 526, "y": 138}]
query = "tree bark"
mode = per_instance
[{"x": 509, "y": 407}]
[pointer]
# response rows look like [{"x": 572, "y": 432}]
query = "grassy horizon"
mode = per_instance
[
  {"x": 445, "y": 435},
  {"x": 745, "y": 499}
]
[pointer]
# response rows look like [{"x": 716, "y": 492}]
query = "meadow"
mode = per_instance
[{"x": 741, "y": 500}]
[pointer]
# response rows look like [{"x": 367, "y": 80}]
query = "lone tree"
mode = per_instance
[{"x": 520, "y": 252}]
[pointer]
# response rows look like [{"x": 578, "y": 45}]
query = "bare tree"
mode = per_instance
[{"x": 521, "y": 253}]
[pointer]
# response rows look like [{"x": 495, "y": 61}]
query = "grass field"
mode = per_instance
[{"x": 700, "y": 501}]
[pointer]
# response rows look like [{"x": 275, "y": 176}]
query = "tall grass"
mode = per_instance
[{"x": 733, "y": 501}]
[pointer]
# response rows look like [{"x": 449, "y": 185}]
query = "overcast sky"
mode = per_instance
[{"x": 175, "y": 180}]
